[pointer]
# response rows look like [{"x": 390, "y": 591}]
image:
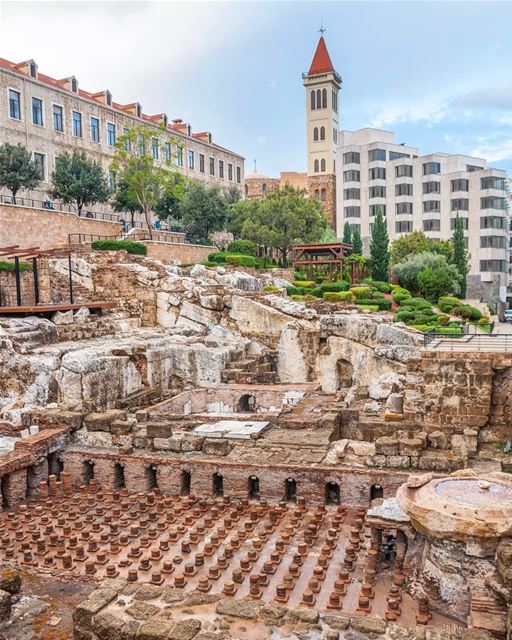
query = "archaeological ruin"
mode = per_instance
[{"x": 205, "y": 458}]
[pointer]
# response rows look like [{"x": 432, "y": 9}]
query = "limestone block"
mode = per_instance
[
  {"x": 376, "y": 461},
  {"x": 191, "y": 443},
  {"x": 195, "y": 313},
  {"x": 432, "y": 461},
  {"x": 158, "y": 430},
  {"x": 471, "y": 439},
  {"x": 398, "y": 462},
  {"x": 101, "y": 421},
  {"x": 410, "y": 446},
  {"x": 368, "y": 625},
  {"x": 214, "y": 302},
  {"x": 387, "y": 446},
  {"x": 216, "y": 447},
  {"x": 63, "y": 317},
  {"x": 459, "y": 446},
  {"x": 121, "y": 427},
  {"x": 199, "y": 271},
  {"x": 10, "y": 581},
  {"x": 395, "y": 403},
  {"x": 5, "y": 605},
  {"x": 418, "y": 480},
  {"x": 371, "y": 407},
  {"x": 168, "y": 444},
  {"x": 81, "y": 316},
  {"x": 437, "y": 440},
  {"x": 362, "y": 449},
  {"x": 384, "y": 385}
]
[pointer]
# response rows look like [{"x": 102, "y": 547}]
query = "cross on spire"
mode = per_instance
[
  {"x": 322, "y": 29},
  {"x": 255, "y": 166}
]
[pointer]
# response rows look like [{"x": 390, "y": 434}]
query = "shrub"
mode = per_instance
[
  {"x": 404, "y": 316},
  {"x": 369, "y": 307},
  {"x": 416, "y": 303},
  {"x": 338, "y": 296},
  {"x": 270, "y": 288},
  {"x": 447, "y": 303},
  {"x": 383, "y": 304},
  {"x": 218, "y": 256},
  {"x": 422, "y": 327},
  {"x": 245, "y": 247},
  {"x": 241, "y": 261},
  {"x": 298, "y": 298},
  {"x": 306, "y": 284},
  {"x": 360, "y": 292},
  {"x": 455, "y": 331},
  {"x": 468, "y": 312},
  {"x": 439, "y": 277},
  {"x": 483, "y": 321},
  {"x": 492, "y": 310},
  {"x": 210, "y": 263},
  {"x": 383, "y": 287},
  {"x": 443, "y": 321},
  {"x": 9, "y": 266},
  {"x": 340, "y": 285},
  {"x": 376, "y": 295},
  {"x": 400, "y": 294},
  {"x": 129, "y": 246}
]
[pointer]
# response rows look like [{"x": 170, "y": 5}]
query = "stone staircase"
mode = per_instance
[
  {"x": 486, "y": 612},
  {"x": 28, "y": 333},
  {"x": 60, "y": 289},
  {"x": 257, "y": 370}
]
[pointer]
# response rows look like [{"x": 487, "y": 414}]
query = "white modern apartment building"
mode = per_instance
[{"x": 426, "y": 193}]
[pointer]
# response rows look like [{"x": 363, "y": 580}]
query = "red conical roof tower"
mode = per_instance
[{"x": 321, "y": 60}]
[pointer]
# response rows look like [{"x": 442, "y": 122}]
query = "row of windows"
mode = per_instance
[
  {"x": 318, "y": 99},
  {"x": 493, "y": 242},
  {"x": 111, "y": 138},
  {"x": 374, "y": 155},
  {"x": 319, "y": 134},
  {"x": 319, "y": 166},
  {"x": 486, "y": 222},
  {"x": 497, "y": 266}
]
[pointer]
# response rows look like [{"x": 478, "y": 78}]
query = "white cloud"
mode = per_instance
[
  {"x": 409, "y": 112},
  {"x": 494, "y": 152}
]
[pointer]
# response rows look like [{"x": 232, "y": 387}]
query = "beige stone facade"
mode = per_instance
[{"x": 50, "y": 116}]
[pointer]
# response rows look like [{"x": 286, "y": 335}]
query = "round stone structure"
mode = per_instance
[{"x": 460, "y": 507}]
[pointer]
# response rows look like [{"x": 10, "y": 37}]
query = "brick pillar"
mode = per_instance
[
  {"x": 36, "y": 473},
  {"x": 169, "y": 479},
  {"x": 43, "y": 268},
  {"x": 14, "y": 487}
]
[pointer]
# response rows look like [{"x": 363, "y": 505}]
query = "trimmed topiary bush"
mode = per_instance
[
  {"x": 422, "y": 327},
  {"x": 129, "y": 246},
  {"x": 361, "y": 292},
  {"x": 483, "y": 321},
  {"x": 338, "y": 296},
  {"x": 416, "y": 303},
  {"x": 298, "y": 298},
  {"x": 369, "y": 307},
  {"x": 306, "y": 284},
  {"x": 400, "y": 294},
  {"x": 383, "y": 287},
  {"x": 218, "y": 256},
  {"x": 341, "y": 285},
  {"x": 244, "y": 247},
  {"x": 270, "y": 288},
  {"x": 404, "y": 316},
  {"x": 447, "y": 303},
  {"x": 467, "y": 312},
  {"x": 241, "y": 261},
  {"x": 443, "y": 321},
  {"x": 383, "y": 304}
]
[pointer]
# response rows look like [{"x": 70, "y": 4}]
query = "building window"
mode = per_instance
[
  {"x": 352, "y": 194},
  {"x": 431, "y": 205},
  {"x": 395, "y": 155},
  {"x": 335, "y": 101},
  {"x": 191, "y": 159},
  {"x": 492, "y": 182},
  {"x": 377, "y": 192},
  {"x": 238, "y": 175},
  {"x": 264, "y": 188},
  {"x": 403, "y": 226},
  {"x": 221, "y": 169},
  {"x": 497, "y": 266},
  {"x": 431, "y": 225},
  {"x": 493, "y": 222},
  {"x": 351, "y": 157},
  {"x": 375, "y": 155},
  {"x": 14, "y": 104},
  {"x": 141, "y": 144},
  {"x": 58, "y": 120},
  {"x": 472, "y": 167},
  {"x": 127, "y": 142},
  {"x": 431, "y": 187},
  {"x": 201, "y": 163},
  {"x": 37, "y": 111},
  {"x": 111, "y": 134},
  {"x": 403, "y": 189},
  {"x": 334, "y": 134},
  {"x": 212, "y": 166},
  {"x": 376, "y": 207},
  {"x": 460, "y": 204},
  {"x": 431, "y": 168},
  {"x": 77, "y": 124},
  {"x": 351, "y": 176},
  {"x": 316, "y": 166},
  {"x": 179, "y": 156},
  {"x": 154, "y": 148},
  {"x": 465, "y": 223},
  {"x": 95, "y": 129},
  {"x": 318, "y": 99},
  {"x": 324, "y": 98},
  {"x": 40, "y": 162},
  {"x": 403, "y": 207},
  {"x": 322, "y": 164},
  {"x": 74, "y": 85},
  {"x": 377, "y": 173},
  {"x": 460, "y": 184},
  {"x": 313, "y": 100},
  {"x": 352, "y": 212},
  {"x": 493, "y": 242},
  {"x": 167, "y": 151},
  {"x": 315, "y": 134},
  {"x": 230, "y": 171},
  {"x": 112, "y": 180},
  {"x": 403, "y": 171},
  {"x": 493, "y": 203},
  {"x": 323, "y": 195},
  {"x": 322, "y": 133}
]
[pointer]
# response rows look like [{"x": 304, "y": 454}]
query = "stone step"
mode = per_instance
[{"x": 248, "y": 377}]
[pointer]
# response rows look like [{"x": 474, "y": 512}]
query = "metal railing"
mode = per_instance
[
  {"x": 50, "y": 205},
  {"x": 472, "y": 340}
]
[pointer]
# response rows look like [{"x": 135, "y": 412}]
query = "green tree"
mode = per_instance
[
  {"x": 168, "y": 207},
  {"x": 460, "y": 255},
  {"x": 379, "y": 249},
  {"x": 78, "y": 179},
  {"x": 281, "y": 218},
  {"x": 347, "y": 233},
  {"x": 122, "y": 203},
  {"x": 146, "y": 174},
  {"x": 17, "y": 169},
  {"x": 409, "y": 270},
  {"x": 357, "y": 242},
  {"x": 204, "y": 210},
  {"x": 434, "y": 282},
  {"x": 239, "y": 213},
  {"x": 418, "y": 242}
]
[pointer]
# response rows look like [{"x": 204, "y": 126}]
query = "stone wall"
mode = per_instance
[
  {"x": 8, "y": 288},
  {"x": 47, "y": 229},
  {"x": 178, "y": 253}
]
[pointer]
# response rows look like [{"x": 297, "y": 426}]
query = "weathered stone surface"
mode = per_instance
[
  {"x": 305, "y": 615},
  {"x": 369, "y": 625},
  {"x": 340, "y": 623},
  {"x": 382, "y": 387},
  {"x": 185, "y": 629},
  {"x": 395, "y": 403},
  {"x": 5, "y": 605},
  {"x": 107, "y": 626},
  {"x": 386, "y": 445},
  {"x": 62, "y": 317},
  {"x": 418, "y": 480},
  {"x": 240, "y": 608},
  {"x": 216, "y": 447},
  {"x": 10, "y": 581}
]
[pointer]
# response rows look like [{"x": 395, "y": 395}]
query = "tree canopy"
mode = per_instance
[
  {"x": 418, "y": 242},
  {"x": 78, "y": 179},
  {"x": 429, "y": 274},
  {"x": 17, "y": 169},
  {"x": 347, "y": 233},
  {"x": 379, "y": 249},
  {"x": 204, "y": 210},
  {"x": 281, "y": 218},
  {"x": 357, "y": 242},
  {"x": 460, "y": 255}
]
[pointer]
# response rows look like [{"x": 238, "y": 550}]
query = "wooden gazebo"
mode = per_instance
[
  {"x": 37, "y": 307},
  {"x": 327, "y": 257}
]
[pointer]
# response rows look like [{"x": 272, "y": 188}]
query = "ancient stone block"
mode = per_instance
[
  {"x": 437, "y": 440},
  {"x": 240, "y": 608},
  {"x": 418, "y": 480},
  {"x": 386, "y": 446},
  {"x": 5, "y": 605},
  {"x": 101, "y": 421},
  {"x": 158, "y": 430},
  {"x": 410, "y": 446},
  {"x": 216, "y": 447},
  {"x": 398, "y": 462}
]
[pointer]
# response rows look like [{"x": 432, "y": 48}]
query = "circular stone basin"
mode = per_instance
[{"x": 459, "y": 508}]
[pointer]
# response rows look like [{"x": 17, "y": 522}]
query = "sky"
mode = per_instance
[{"x": 438, "y": 73}]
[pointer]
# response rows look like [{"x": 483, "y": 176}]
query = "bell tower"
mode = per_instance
[{"x": 322, "y": 84}]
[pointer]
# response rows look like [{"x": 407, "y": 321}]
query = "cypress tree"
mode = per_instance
[
  {"x": 347, "y": 233},
  {"x": 356, "y": 241},
  {"x": 460, "y": 255},
  {"x": 379, "y": 249}
]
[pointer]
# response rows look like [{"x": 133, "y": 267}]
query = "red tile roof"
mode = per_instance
[{"x": 321, "y": 60}]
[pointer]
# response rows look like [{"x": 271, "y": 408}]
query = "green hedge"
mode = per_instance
[
  {"x": 245, "y": 247},
  {"x": 447, "y": 303},
  {"x": 467, "y": 312},
  {"x": 338, "y": 296},
  {"x": 340, "y": 285},
  {"x": 383, "y": 304},
  {"x": 383, "y": 287},
  {"x": 400, "y": 294},
  {"x": 120, "y": 245},
  {"x": 404, "y": 316},
  {"x": 416, "y": 303},
  {"x": 369, "y": 307},
  {"x": 241, "y": 261},
  {"x": 306, "y": 284},
  {"x": 9, "y": 266}
]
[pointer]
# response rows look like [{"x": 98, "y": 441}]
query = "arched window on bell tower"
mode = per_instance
[
  {"x": 322, "y": 164},
  {"x": 322, "y": 133},
  {"x": 315, "y": 134},
  {"x": 324, "y": 98},
  {"x": 313, "y": 99},
  {"x": 315, "y": 166},
  {"x": 318, "y": 99}
]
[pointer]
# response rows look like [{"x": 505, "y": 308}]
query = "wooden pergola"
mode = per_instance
[
  {"x": 33, "y": 254},
  {"x": 325, "y": 255}
]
